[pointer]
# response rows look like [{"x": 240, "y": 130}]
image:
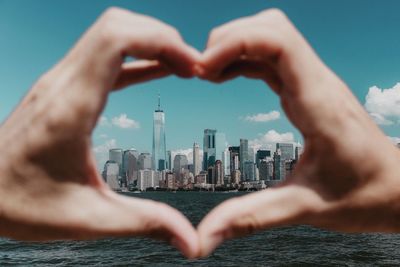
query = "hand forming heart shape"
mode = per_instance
[{"x": 60, "y": 195}]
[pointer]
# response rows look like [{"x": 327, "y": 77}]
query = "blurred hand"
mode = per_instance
[
  {"x": 49, "y": 186},
  {"x": 347, "y": 178}
]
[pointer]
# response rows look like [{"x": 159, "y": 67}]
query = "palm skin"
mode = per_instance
[
  {"x": 346, "y": 179},
  {"x": 49, "y": 185}
]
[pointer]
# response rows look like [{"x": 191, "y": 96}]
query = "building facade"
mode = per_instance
[{"x": 159, "y": 156}]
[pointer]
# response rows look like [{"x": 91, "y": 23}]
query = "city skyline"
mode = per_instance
[{"x": 241, "y": 108}]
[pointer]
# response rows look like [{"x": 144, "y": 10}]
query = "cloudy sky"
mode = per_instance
[{"x": 359, "y": 40}]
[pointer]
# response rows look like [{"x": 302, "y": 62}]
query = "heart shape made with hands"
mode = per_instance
[{"x": 265, "y": 46}]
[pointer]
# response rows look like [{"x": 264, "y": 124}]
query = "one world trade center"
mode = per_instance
[{"x": 159, "y": 155}]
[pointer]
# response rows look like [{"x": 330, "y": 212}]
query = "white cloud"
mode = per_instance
[
  {"x": 122, "y": 121},
  {"x": 268, "y": 139},
  {"x": 103, "y": 121},
  {"x": 383, "y": 104},
  {"x": 263, "y": 117},
  {"x": 101, "y": 152}
]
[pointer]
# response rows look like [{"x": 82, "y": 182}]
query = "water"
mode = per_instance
[{"x": 291, "y": 246}]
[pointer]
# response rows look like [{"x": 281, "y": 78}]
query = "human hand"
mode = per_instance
[
  {"x": 347, "y": 177},
  {"x": 49, "y": 186}
]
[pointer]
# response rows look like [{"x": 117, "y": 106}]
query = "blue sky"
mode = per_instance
[{"x": 359, "y": 40}]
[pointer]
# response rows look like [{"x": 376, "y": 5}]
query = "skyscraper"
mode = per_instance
[
  {"x": 115, "y": 154},
  {"x": 145, "y": 161},
  {"x": 130, "y": 166},
  {"x": 262, "y": 154},
  {"x": 196, "y": 159},
  {"x": 243, "y": 155},
  {"x": 180, "y": 163},
  {"x": 214, "y": 145},
  {"x": 159, "y": 156},
  {"x": 209, "y": 155},
  {"x": 286, "y": 150}
]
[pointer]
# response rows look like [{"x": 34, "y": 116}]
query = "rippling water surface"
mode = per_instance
[{"x": 292, "y": 246}]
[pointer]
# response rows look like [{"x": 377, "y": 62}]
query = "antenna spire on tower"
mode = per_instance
[{"x": 159, "y": 102}]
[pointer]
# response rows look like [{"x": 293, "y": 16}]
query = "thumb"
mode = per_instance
[
  {"x": 245, "y": 215},
  {"x": 149, "y": 218}
]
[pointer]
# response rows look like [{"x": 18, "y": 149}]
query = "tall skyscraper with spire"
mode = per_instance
[{"x": 159, "y": 156}]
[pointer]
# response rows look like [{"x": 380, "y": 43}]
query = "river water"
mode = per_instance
[{"x": 290, "y": 246}]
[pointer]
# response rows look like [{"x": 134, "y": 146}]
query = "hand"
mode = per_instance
[
  {"x": 347, "y": 178},
  {"x": 49, "y": 186}
]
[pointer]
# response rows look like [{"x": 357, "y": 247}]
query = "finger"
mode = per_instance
[
  {"x": 171, "y": 51},
  {"x": 140, "y": 71},
  {"x": 88, "y": 213},
  {"x": 244, "y": 215},
  {"x": 254, "y": 69}
]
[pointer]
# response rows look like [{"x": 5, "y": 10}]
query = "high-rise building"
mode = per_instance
[
  {"x": 243, "y": 155},
  {"x": 159, "y": 156},
  {"x": 180, "y": 163},
  {"x": 297, "y": 152},
  {"x": 234, "y": 152},
  {"x": 286, "y": 150},
  {"x": 169, "y": 160},
  {"x": 277, "y": 164},
  {"x": 145, "y": 161},
  {"x": 116, "y": 154},
  {"x": 218, "y": 173},
  {"x": 249, "y": 171},
  {"x": 196, "y": 159},
  {"x": 130, "y": 166},
  {"x": 111, "y": 174},
  {"x": 262, "y": 154},
  {"x": 147, "y": 179},
  {"x": 226, "y": 161},
  {"x": 266, "y": 169},
  {"x": 209, "y": 151}
]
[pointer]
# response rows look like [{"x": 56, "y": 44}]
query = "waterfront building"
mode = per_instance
[
  {"x": 209, "y": 148},
  {"x": 235, "y": 177},
  {"x": 243, "y": 155},
  {"x": 111, "y": 174},
  {"x": 286, "y": 149},
  {"x": 249, "y": 171},
  {"x": 277, "y": 165},
  {"x": 196, "y": 159},
  {"x": 297, "y": 152},
  {"x": 226, "y": 162},
  {"x": 116, "y": 155},
  {"x": 145, "y": 160},
  {"x": 201, "y": 178},
  {"x": 262, "y": 155},
  {"x": 130, "y": 166},
  {"x": 266, "y": 169},
  {"x": 170, "y": 180},
  {"x": 218, "y": 173},
  {"x": 169, "y": 160},
  {"x": 147, "y": 179},
  {"x": 159, "y": 156}
]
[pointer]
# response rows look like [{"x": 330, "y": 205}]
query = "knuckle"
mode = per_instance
[
  {"x": 275, "y": 13},
  {"x": 173, "y": 32},
  {"x": 112, "y": 13},
  {"x": 215, "y": 33}
]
